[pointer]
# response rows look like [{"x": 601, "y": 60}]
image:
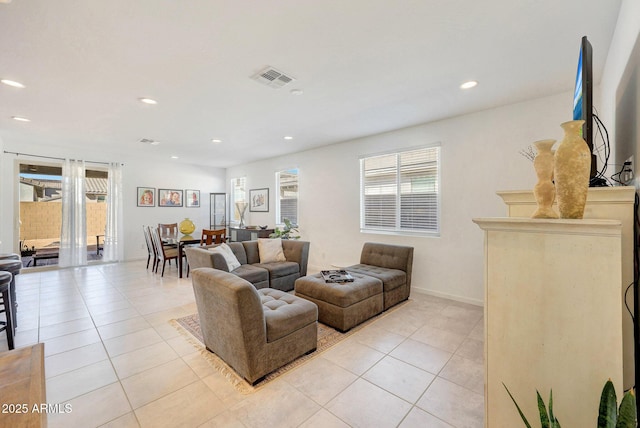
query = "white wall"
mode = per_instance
[
  {"x": 136, "y": 173},
  {"x": 626, "y": 35},
  {"x": 168, "y": 176},
  {"x": 480, "y": 155}
]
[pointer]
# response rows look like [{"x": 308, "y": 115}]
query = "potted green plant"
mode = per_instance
[
  {"x": 609, "y": 415},
  {"x": 287, "y": 232}
]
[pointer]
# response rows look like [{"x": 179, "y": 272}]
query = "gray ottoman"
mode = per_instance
[{"x": 342, "y": 305}]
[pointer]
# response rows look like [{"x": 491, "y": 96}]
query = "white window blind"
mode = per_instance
[
  {"x": 238, "y": 194},
  {"x": 400, "y": 191},
  {"x": 287, "y": 184}
]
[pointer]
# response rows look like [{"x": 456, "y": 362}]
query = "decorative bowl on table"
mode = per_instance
[{"x": 264, "y": 227}]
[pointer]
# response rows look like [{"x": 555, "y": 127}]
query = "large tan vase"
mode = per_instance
[
  {"x": 572, "y": 169},
  {"x": 544, "y": 190}
]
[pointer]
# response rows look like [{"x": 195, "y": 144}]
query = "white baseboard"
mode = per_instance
[
  {"x": 315, "y": 269},
  {"x": 462, "y": 299}
]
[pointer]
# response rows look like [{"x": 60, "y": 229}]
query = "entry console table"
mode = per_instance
[
  {"x": 243, "y": 234},
  {"x": 552, "y": 316}
]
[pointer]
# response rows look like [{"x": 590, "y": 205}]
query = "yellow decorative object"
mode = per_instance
[
  {"x": 187, "y": 227},
  {"x": 572, "y": 168}
]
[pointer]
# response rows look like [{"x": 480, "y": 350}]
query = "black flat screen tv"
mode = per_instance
[{"x": 583, "y": 98}]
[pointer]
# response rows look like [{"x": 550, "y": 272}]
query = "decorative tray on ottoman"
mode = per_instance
[{"x": 336, "y": 276}]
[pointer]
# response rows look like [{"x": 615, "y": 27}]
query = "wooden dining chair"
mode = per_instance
[
  {"x": 213, "y": 236},
  {"x": 157, "y": 250},
  {"x": 164, "y": 254},
  {"x": 150, "y": 248},
  {"x": 168, "y": 230}
]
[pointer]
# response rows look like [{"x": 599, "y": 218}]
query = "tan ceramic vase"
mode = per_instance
[
  {"x": 572, "y": 169},
  {"x": 544, "y": 191}
]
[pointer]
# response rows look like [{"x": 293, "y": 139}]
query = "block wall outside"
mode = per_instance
[{"x": 41, "y": 221}]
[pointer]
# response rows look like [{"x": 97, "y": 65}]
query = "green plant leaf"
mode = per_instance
[
  {"x": 524, "y": 419},
  {"x": 552, "y": 419},
  {"x": 544, "y": 417},
  {"x": 608, "y": 413},
  {"x": 627, "y": 415}
]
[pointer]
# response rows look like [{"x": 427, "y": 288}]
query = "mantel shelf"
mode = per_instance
[
  {"x": 562, "y": 226},
  {"x": 607, "y": 195}
]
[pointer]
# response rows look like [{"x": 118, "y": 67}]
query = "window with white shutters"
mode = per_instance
[
  {"x": 400, "y": 192},
  {"x": 287, "y": 206}
]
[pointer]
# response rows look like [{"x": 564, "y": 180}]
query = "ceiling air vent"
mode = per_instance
[
  {"x": 272, "y": 78},
  {"x": 148, "y": 141}
]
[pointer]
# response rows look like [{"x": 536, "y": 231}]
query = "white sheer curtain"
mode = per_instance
[
  {"x": 113, "y": 235},
  {"x": 73, "y": 236}
]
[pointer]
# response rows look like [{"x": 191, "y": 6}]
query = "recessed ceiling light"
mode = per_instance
[
  {"x": 174, "y": 157},
  {"x": 468, "y": 85},
  {"x": 12, "y": 83},
  {"x": 288, "y": 137},
  {"x": 216, "y": 141},
  {"x": 20, "y": 119},
  {"x": 148, "y": 101},
  {"x": 296, "y": 92}
]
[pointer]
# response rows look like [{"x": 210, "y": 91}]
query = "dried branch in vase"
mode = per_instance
[{"x": 528, "y": 153}]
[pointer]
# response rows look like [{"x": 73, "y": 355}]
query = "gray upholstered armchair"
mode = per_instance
[
  {"x": 254, "y": 331},
  {"x": 392, "y": 264}
]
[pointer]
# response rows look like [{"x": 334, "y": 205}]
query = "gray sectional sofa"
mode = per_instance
[
  {"x": 254, "y": 331},
  {"x": 382, "y": 279},
  {"x": 278, "y": 275},
  {"x": 391, "y": 264}
]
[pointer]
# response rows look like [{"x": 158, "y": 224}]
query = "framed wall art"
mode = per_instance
[
  {"x": 146, "y": 196},
  {"x": 169, "y": 198},
  {"x": 192, "y": 198},
  {"x": 259, "y": 200}
]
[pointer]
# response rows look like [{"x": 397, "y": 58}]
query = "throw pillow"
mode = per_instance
[
  {"x": 270, "y": 250},
  {"x": 225, "y": 251}
]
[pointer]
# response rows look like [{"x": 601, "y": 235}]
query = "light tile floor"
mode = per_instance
[{"x": 111, "y": 353}]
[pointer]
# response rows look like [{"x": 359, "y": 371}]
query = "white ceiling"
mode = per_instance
[{"x": 365, "y": 66}]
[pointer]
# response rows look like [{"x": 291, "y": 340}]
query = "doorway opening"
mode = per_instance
[{"x": 41, "y": 213}]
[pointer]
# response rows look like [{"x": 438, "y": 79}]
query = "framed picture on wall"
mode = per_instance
[
  {"x": 192, "y": 198},
  {"x": 146, "y": 196},
  {"x": 259, "y": 200},
  {"x": 169, "y": 198}
]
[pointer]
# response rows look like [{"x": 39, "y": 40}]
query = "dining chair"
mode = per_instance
[
  {"x": 164, "y": 254},
  {"x": 150, "y": 248},
  {"x": 168, "y": 230},
  {"x": 213, "y": 236},
  {"x": 210, "y": 236},
  {"x": 154, "y": 247}
]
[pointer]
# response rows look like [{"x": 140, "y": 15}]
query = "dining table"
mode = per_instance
[{"x": 181, "y": 242}]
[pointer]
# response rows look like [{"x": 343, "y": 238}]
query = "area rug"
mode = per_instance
[{"x": 189, "y": 326}]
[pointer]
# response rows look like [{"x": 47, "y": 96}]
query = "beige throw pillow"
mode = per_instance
[
  {"x": 227, "y": 253},
  {"x": 270, "y": 250}
]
